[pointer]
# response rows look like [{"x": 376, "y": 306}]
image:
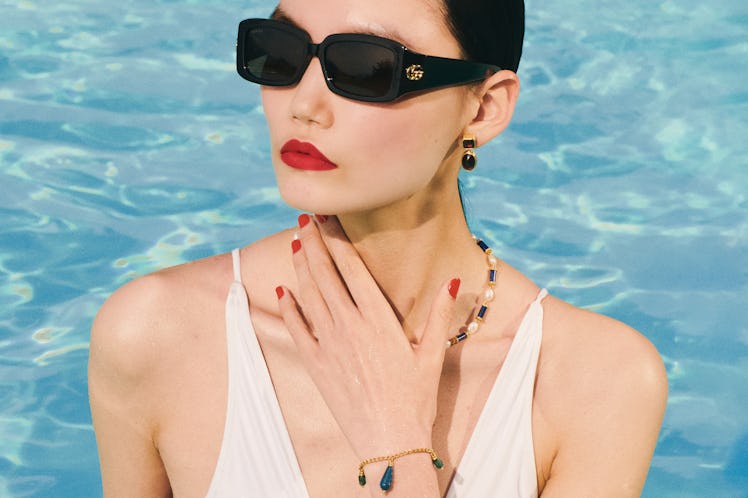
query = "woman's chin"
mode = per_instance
[
  {"x": 320, "y": 202},
  {"x": 309, "y": 204},
  {"x": 340, "y": 201}
]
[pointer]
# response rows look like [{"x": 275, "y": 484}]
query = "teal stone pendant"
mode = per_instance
[
  {"x": 386, "y": 483},
  {"x": 437, "y": 463},
  {"x": 362, "y": 479}
]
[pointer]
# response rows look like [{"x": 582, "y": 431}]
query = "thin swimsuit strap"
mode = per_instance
[
  {"x": 541, "y": 296},
  {"x": 257, "y": 457},
  {"x": 499, "y": 459},
  {"x": 236, "y": 256}
]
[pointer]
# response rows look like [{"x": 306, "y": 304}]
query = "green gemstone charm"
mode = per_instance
[{"x": 386, "y": 483}]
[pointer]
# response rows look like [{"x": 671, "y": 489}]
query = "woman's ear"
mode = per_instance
[{"x": 496, "y": 97}]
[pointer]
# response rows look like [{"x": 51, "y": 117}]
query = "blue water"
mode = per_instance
[{"x": 128, "y": 143}]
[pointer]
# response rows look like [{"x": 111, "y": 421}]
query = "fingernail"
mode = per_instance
[
  {"x": 304, "y": 220},
  {"x": 454, "y": 286},
  {"x": 295, "y": 245},
  {"x": 321, "y": 218},
  {"x": 279, "y": 291}
]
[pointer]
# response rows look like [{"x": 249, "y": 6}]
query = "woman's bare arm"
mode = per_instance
[
  {"x": 608, "y": 421},
  {"x": 121, "y": 366}
]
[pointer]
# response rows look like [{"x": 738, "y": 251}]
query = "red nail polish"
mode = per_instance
[
  {"x": 304, "y": 220},
  {"x": 454, "y": 286},
  {"x": 279, "y": 291},
  {"x": 295, "y": 245},
  {"x": 321, "y": 218}
]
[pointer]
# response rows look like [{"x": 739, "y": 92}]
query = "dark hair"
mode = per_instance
[{"x": 489, "y": 31}]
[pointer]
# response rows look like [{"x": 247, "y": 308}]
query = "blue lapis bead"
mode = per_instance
[
  {"x": 482, "y": 311},
  {"x": 483, "y": 245},
  {"x": 462, "y": 336},
  {"x": 386, "y": 483},
  {"x": 492, "y": 276}
]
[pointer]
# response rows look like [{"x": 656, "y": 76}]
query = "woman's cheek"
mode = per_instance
[{"x": 400, "y": 140}]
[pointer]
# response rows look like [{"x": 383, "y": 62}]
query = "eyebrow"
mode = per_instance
[{"x": 280, "y": 15}]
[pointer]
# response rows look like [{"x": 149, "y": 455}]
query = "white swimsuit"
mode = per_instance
[{"x": 257, "y": 458}]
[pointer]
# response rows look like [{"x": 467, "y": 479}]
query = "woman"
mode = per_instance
[{"x": 367, "y": 348}]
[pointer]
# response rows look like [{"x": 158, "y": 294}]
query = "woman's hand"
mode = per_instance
[{"x": 381, "y": 389}]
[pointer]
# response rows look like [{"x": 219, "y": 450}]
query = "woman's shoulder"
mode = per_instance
[
  {"x": 582, "y": 343},
  {"x": 601, "y": 391},
  {"x": 154, "y": 310},
  {"x": 139, "y": 318}
]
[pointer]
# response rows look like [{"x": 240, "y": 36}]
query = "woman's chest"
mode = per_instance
[
  {"x": 327, "y": 462},
  {"x": 194, "y": 431}
]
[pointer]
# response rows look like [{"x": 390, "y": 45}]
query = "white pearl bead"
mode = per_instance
[
  {"x": 472, "y": 327},
  {"x": 488, "y": 294},
  {"x": 492, "y": 260}
]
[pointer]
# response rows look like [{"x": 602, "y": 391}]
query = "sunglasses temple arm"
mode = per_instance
[
  {"x": 441, "y": 72},
  {"x": 453, "y": 72}
]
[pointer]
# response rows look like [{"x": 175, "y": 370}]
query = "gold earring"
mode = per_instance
[{"x": 469, "y": 159}]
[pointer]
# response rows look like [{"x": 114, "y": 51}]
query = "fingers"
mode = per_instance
[
  {"x": 362, "y": 287},
  {"x": 437, "y": 331},
  {"x": 300, "y": 333},
  {"x": 311, "y": 295},
  {"x": 336, "y": 289},
  {"x": 316, "y": 269}
]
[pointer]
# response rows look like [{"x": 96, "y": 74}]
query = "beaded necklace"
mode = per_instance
[{"x": 494, "y": 270}]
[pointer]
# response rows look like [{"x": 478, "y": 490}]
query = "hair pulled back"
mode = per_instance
[{"x": 489, "y": 31}]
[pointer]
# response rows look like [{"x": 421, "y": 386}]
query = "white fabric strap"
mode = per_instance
[{"x": 237, "y": 265}]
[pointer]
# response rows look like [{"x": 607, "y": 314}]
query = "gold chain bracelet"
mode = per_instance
[{"x": 386, "y": 482}]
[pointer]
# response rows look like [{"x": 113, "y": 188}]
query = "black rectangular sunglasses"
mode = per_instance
[{"x": 357, "y": 66}]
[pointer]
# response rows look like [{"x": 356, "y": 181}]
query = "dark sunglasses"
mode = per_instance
[{"x": 357, "y": 66}]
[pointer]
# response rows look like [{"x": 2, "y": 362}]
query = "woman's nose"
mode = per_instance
[{"x": 311, "y": 99}]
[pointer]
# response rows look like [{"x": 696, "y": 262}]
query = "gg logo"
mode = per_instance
[{"x": 414, "y": 72}]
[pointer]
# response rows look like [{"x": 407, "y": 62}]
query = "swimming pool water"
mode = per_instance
[{"x": 128, "y": 143}]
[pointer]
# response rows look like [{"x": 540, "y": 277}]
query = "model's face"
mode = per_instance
[{"x": 384, "y": 153}]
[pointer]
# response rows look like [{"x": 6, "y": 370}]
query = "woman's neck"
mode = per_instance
[{"x": 412, "y": 252}]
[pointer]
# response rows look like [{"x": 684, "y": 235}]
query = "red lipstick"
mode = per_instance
[{"x": 305, "y": 156}]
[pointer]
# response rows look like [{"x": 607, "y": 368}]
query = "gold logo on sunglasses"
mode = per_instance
[{"x": 414, "y": 72}]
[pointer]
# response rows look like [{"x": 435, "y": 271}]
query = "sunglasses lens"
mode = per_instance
[
  {"x": 360, "y": 69},
  {"x": 273, "y": 56}
]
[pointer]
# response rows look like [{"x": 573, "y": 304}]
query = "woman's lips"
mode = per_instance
[{"x": 305, "y": 156}]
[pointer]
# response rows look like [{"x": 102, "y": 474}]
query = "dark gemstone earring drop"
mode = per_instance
[{"x": 469, "y": 159}]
